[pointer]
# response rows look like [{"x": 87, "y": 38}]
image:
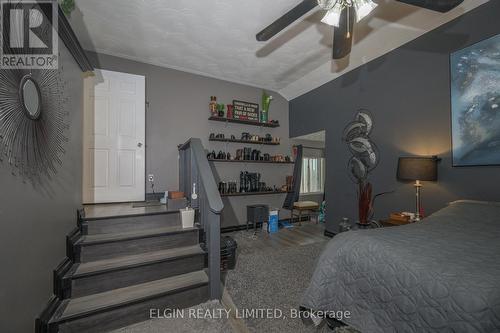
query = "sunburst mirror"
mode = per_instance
[
  {"x": 33, "y": 114},
  {"x": 32, "y": 122}
]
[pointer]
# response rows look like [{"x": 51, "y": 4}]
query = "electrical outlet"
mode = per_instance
[{"x": 151, "y": 178}]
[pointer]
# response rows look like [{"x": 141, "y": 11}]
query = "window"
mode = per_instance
[{"x": 313, "y": 175}]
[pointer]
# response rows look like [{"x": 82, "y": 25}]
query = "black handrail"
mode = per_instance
[{"x": 197, "y": 181}]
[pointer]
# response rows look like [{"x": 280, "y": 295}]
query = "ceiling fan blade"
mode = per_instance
[
  {"x": 342, "y": 35},
  {"x": 442, "y": 6},
  {"x": 287, "y": 19}
]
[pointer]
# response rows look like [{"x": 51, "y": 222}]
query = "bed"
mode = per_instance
[{"x": 439, "y": 275}]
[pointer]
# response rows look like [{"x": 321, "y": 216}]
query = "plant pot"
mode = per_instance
[{"x": 187, "y": 218}]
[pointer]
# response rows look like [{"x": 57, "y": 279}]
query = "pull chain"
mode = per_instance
[{"x": 348, "y": 35}]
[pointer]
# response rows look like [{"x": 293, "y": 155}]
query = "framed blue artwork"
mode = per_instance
[{"x": 475, "y": 104}]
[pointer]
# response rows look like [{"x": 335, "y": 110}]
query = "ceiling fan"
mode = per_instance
[{"x": 342, "y": 14}]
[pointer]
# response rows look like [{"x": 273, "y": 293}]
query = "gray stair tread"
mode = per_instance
[
  {"x": 168, "y": 216},
  {"x": 132, "y": 260},
  {"x": 93, "y": 303},
  {"x": 102, "y": 238},
  {"x": 105, "y": 211}
]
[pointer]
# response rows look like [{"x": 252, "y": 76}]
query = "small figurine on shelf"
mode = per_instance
[
  {"x": 220, "y": 110},
  {"x": 266, "y": 103},
  {"x": 213, "y": 106},
  {"x": 229, "y": 113}
]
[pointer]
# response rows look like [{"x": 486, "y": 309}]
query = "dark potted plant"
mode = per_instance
[{"x": 67, "y": 6}]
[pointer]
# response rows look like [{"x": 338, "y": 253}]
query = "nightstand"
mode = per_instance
[{"x": 393, "y": 223}]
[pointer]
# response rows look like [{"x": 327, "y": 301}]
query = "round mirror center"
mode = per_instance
[{"x": 30, "y": 97}]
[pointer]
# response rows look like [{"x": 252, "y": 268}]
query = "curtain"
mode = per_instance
[
  {"x": 293, "y": 196},
  {"x": 313, "y": 174}
]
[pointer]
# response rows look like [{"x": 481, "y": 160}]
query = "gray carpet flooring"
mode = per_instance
[
  {"x": 266, "y": 277},
  {"x": 184, "y": 325},
  {"x": 275, "y": 278}
]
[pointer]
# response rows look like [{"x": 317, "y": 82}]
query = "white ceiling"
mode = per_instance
[{"x": 216, "y": 38}]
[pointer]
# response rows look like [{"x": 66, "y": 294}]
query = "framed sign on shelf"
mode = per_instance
[{"x": 245, "y": 111}]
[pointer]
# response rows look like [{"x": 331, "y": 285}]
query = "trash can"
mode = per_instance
[
  {"x": 257, "y": 214},
  {"x": 228, "y": 248}
]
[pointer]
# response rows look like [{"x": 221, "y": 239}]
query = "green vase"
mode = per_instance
[{"x": 266, "y": 102}]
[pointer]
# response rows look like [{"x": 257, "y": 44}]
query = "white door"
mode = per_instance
[{"x": 114, "y": 135}]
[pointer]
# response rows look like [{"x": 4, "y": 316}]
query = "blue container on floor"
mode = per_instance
[{"x": 273, "y": 221}]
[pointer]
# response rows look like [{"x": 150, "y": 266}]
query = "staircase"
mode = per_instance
[{"x": 119, "y": 268}]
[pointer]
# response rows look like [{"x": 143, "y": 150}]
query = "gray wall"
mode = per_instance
[
  {"x": 178, "y": 110},
  {"x": 408, "y": 92},
  {"x": 33, "y": 224}
]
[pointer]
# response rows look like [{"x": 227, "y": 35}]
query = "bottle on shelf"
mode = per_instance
[
  {"x": 213, "y": 106},
  {"x": 229, "y": 113}
]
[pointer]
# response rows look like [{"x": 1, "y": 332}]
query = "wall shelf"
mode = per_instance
[
  {"x": 244, "y": 122},
  {"x": 252, "y": 193},
  {"x": 246, "y": 141},
  {"x": 248, "y": 161}
]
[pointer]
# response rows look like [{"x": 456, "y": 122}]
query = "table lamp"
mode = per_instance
[{"x": 417, "y": 169}]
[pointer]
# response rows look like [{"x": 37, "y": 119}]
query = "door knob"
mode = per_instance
[{"x": 139, "y": 144}]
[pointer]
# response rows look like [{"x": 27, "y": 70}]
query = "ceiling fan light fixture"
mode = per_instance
[
  {"x": 327, "y": 4},
  {"x": 332, "y": 17},
  {"x": 364, "y": 8}
]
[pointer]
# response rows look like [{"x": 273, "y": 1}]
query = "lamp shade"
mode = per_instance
[{"x": 417, "y": 168}]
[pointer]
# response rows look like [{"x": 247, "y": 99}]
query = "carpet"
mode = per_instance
[
  {"x": 275, "y": 280},
  {"x": 264, "y": 278},
  {"x": 184, "y": 325}
]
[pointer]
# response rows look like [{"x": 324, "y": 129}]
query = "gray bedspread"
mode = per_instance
[{"x": 439, "y": 275}]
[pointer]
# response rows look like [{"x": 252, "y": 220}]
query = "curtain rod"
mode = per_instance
[{"x": 308, "y": 147}]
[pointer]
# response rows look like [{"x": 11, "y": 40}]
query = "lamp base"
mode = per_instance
[{"x": 418, "y": 187}]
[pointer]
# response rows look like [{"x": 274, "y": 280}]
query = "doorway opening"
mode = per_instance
[{"x": 313, "y": 173}]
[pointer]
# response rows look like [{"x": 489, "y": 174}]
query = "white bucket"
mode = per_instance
[{"x": 187, "y": 218}]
